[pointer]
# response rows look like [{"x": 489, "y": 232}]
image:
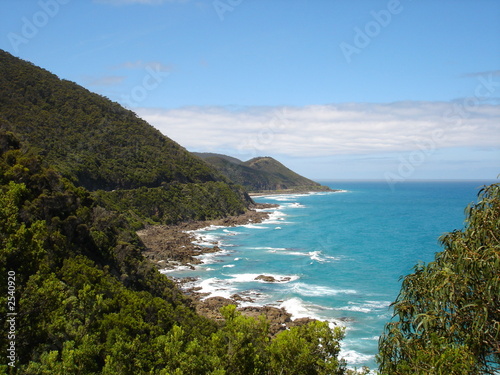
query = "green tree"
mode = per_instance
[
  {"x": 243, "y": 341},
  {"x": 310, "y": 349},
  {"x": 21, "y": 245},
  {"x": 447, "y": 315}
]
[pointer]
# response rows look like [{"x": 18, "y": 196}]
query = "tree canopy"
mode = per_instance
[
  {"x": 103, "y": 147},
  {"x": 87, "y": 302},
  {"x": 447, "y": 315}
]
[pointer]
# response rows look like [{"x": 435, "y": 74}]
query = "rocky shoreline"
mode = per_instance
[{"x": 171, "y": 246}]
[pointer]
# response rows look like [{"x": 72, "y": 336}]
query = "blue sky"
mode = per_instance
[{"x": 338, "y": 89}]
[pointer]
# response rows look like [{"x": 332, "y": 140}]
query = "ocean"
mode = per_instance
[{"x": 335, "y": 256}]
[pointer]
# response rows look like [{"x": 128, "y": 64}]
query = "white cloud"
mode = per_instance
[{"x": 325, "y": 130}]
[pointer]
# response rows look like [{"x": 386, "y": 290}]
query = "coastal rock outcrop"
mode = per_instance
[
  {"x": 171, "y": 246},
  {"x": 272, "y": 279}
]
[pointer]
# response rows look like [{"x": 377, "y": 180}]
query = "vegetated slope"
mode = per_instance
[
  {"x": 261, "y": 174},
  {"x": 100, "y": 145},
  {"x": 83, "y": 300},
  {"x": 214, "y": 156}
]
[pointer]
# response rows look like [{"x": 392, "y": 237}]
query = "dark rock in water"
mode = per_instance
[
  {"x": 266, "y": 278},
  {"x": 185, "y": 280},
  {"x": 346, "y": 319},
  {"x": 214, "y": 249},
  {"x": 272, "y": 279}
]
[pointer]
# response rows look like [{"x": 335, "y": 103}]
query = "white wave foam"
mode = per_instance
[
  {"x": 353, "y": 357},
  {"x": 318, "y": 256},
  {"x": 365, "y": 307},
  {"x": 296, "y": 253},
  {"x": 282, "y": 197},
  {"x": 298, "y": 308},
  {"x": 205, "y": 239},
  {"x": 216, "y": 287},
  {"x": 250, "y": 277},
  {"x": 328, "y": 192},
  {"x": 270, "y": 249},
  {"x": 178, "y": 268},
  {"x": 210, "y": 227},
  {"x": 276, "y": 217},
  {"x": 301, "y": 309},
  {"x": 253, "y": 226},
  {"x": 231, "y": 232},
  {"x": 228, "y": 266},
  {"x": 373, "y": 338},
  {"x": 310, "y": 290},
  {"x": 211, "y": 258}
]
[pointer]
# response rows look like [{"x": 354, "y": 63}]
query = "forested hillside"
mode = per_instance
[
  {"x": 83, "y": 300},
  {"x": 261, "y": 174},
  {"x": 78, "y": 175},
  {"x": 95, "y": 142},
  {"x": 99, "y": 145}
]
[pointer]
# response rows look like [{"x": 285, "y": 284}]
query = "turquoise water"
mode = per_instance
[{"x": 336, "y": 256}]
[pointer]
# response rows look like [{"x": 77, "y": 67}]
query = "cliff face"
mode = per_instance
[
  {"x": 107, "y": 149},
  {"x": 261, "y": 174}
]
